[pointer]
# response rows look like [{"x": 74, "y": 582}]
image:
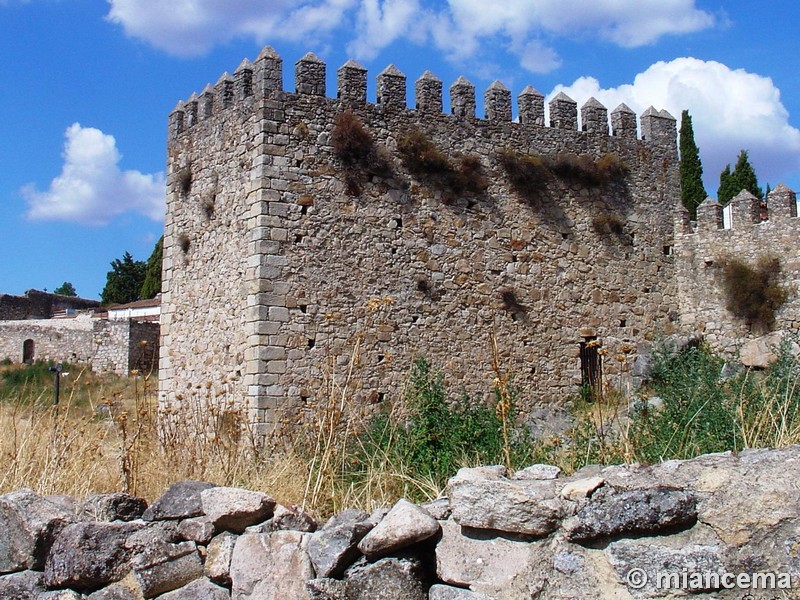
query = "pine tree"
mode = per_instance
[
  {"x": 124, "y": 281},
  {"x": 745, "y": 176},
  {"x": 727, "y": 186},
  {"x": 691, "y": 169},
  {"x": 65, "y": 289},
  {"x": 152, "y": 279}
]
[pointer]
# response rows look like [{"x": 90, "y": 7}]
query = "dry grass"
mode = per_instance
[{"x": 108, "y": 434}]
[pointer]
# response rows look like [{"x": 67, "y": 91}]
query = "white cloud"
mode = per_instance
[
  {"x": 91, "y": 188},
  {"x": 457, "y": 27},
  {"x": 379, "y": 24},
  {"x": 193, "y": 27},
  {"x": 731, "y": 110}
]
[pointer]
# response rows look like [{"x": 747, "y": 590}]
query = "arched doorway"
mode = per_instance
[{"x": 27, "y": 351}]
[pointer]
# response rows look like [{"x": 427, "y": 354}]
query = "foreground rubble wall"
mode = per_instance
[{"x": 615, "y": 532}]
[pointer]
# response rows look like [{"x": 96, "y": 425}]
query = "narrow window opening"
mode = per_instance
[
  {"x": 591, "y": 369},
  {"x": 28, "y": 348}
]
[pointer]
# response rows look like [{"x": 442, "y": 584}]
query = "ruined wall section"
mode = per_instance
[
  {"x": 703, "y": 247},
  {"x": 406, "y": 269},
  {"x": 70, "y": 340},
  {"x": 107, "y": 346},
  {"x": 40, "y": 305}
]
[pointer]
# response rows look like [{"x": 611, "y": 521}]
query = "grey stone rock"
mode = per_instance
[
  {"x": 283, "y": 519},
  {"x": 197, "y": 529},
  {"x": 166, "y": 567},
  {"x": 327, "y": 589},
  {"x": 439, "y": 509},
  {"x": 614, "y": 514},
  {"x": 763, "y": 351},
  {"x": 218, "y": 558},
  {"x": 538, "y": 472},
  {"x": 59, "y": 595},
  {"x": 234, "y": 509},
  {"x": 113, "y": 507},
  {"x": 21, "y": 586},
  {"x": 271, "y": 566},
  {"x": 405, "y": 524},
  {"x": 446, "y": 592},
  {"x": 654, "y": 559},
  {"x": 486, "y": 500},
  {"x": 199, "y": 589},
  {"x": 28, "y": 525},
  {"x": 479, "y": 560},
  {"x": 88, "y": 556},
  {"x": 115, "y": 591},
  {"x": 180, "y": 501},
  {"x": 395, "y": 578},
  {"x": 334, "y": 547}
]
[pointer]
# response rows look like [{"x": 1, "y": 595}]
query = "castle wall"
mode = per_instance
[
  {"x": 703, "y": 248},
  {"x": 40, "y": 305},
  {"x": 115, "y": 346},
  {"x": 293, "y": 275}
]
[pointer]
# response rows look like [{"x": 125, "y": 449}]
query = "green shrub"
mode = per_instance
[
  {"x": 33, "y": 373},
  {"x": 436, "y": 436},
  {"x": 698, "y": 412},
  {"x": 753, "y": 294}
]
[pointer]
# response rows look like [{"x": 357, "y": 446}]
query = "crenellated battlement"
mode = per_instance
[
  {"x": 295, "y": 220},
  {"x": 264, "y": 79},
  {"x": 746, "y": 211}
]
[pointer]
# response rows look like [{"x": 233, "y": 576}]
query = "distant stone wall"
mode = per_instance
[
  {"x": 40, "y": 305},
  {"x": 276, "y": 274},
  {"x": 702, "y": 249},
  {"x": 67, "y": 340},
  {"x": 721, "y": 525},
  {"x": 116, "y": 346}
]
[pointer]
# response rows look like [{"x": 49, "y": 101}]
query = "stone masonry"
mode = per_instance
[
  {"x": 701, "y": 248},
  {"x": 115, "y": 346},
  {"x": 281, "y": 279},
  {"x": 723, "y": 525},
  {"x": 275, "y": 276}
]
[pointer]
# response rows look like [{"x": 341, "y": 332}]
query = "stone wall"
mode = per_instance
[
  {"x": 724, "y": 525},
  {"x": 702, "y": 248},
  {"x": 115, "y": 346},
  {"x": 40, "y": 305},
  {"x": 276, "y": 275}
]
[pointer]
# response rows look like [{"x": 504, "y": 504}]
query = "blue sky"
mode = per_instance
[{"x": 87, "y": 87}]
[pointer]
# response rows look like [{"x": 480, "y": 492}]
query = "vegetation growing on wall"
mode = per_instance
[
  {"x": 360, "y": 156},
  {"x": 424, "y": 160},
  {"x": 529, "y": 173},
  {"x": 753, "y": 294}
]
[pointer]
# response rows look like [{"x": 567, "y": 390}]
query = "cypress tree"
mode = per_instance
[
  {"x": 691, "y": 169},
  {"x": 152, "y": 279}
]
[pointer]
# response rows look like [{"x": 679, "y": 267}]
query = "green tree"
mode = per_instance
[
  {"x": 124, "y": 281},
  {"x": 152, "y": 279},
  {"x": 743, "y": 177},
  {"x": 746, "y": 176},
  {"x": 65, "y": 289},
  {"x": 691, "y": 169}
]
